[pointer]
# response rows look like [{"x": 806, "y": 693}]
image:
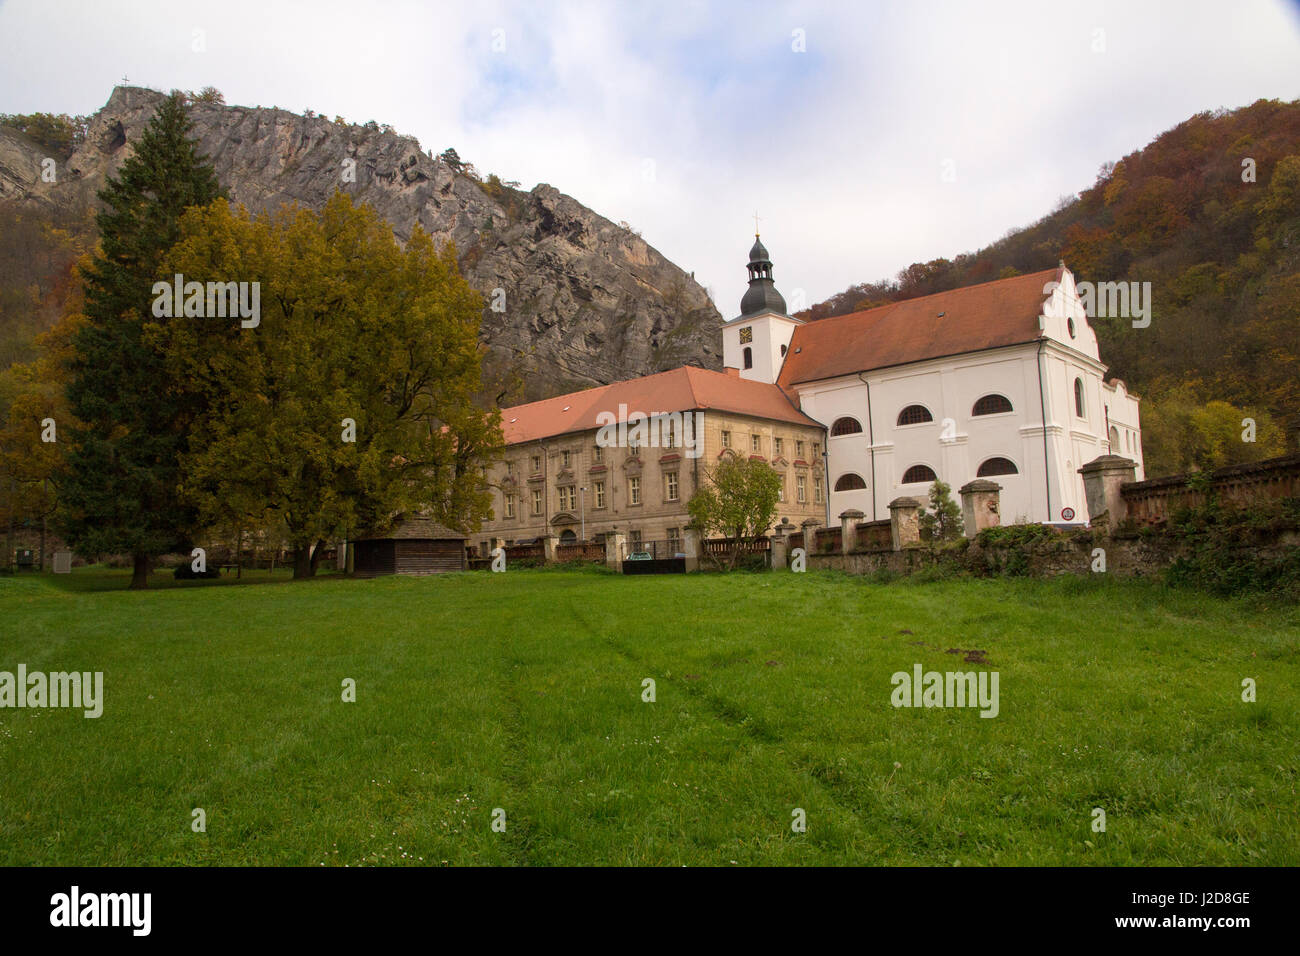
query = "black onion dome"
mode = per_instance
[{"x": 761, "y": 296}]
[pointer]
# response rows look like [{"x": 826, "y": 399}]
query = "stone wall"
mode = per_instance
[{"x": 1154, "y": 501}]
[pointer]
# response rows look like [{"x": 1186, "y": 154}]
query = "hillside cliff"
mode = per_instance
[{"x": 586, "y": 301}]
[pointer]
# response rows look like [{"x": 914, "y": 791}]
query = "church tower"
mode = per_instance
[{"x": 755, "y": 342}]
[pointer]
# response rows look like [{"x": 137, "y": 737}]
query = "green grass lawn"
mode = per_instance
[{"x": 523, "y": 691}]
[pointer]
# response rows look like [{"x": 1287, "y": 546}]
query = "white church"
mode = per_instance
[{"x": 1001, "y": 380}]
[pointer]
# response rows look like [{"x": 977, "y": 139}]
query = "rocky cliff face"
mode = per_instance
[{"x": 586, "y": 301}]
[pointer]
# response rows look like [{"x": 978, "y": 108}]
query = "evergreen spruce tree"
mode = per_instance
[
  {"x": 119, "y": 489},
  {"x": 943, "y": 521}
]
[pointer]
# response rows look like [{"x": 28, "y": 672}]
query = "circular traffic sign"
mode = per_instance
[{"x": 1067, "y": 514}]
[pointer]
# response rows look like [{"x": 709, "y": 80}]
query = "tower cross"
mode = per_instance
[{"x": 755, "y": 223}]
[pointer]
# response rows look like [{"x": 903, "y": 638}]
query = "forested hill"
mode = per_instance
[{"x": 1209, "y": 214}]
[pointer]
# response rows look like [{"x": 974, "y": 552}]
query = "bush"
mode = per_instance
[
  {"x": 1014, "y": 535},
  {"x": 1223, "y": 548}
]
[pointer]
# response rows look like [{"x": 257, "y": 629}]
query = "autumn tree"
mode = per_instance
[
  {"x": 1184, "y": 433},
  {"x": 737, "y": 499},
  {"x": 34, "y": 426},
  {"x": 352, "y": 399},
  {"x": 119, "y": 491}
]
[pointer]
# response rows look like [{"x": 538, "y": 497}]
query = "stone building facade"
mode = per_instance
[{"x": 566, "y": 473}]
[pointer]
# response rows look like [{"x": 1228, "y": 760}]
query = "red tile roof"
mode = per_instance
[
  {"x": 985, "y": 316},
  {"x": 680, "y": 390}
]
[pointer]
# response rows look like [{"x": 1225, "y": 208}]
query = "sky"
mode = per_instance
[{"x": 865, "y": 135}]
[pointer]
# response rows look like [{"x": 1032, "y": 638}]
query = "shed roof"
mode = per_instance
[{"x": 416, "y": 527}]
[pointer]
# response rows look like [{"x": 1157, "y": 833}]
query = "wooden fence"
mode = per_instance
[
  {"x": 582, "y": 551},
  {"x": 722, "y": 546}
]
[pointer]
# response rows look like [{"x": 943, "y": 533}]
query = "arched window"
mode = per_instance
[
  {"x": 850, "y": 482},
  {"x": 914, "y": 415},
  {"x": 568, "y": 536},
  {"x": 1114, "y": 440},
  {"x": 846, "y": 426},
  {"x": 1078, "y": 397},
  {"x": 919, "y": 474},
  {"x": 749, "y": 357},
  {"x": 991, "y": 405},
  {"x": 997, "y": 466},
  {"x": 784, "y": 349}
]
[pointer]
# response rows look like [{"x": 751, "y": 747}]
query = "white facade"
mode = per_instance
[
  {"x": 766, "y": 337},
  {"x": 1057, "y": 380}
]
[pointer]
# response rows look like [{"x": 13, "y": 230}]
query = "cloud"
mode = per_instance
[{"x": 683, "y": 118}]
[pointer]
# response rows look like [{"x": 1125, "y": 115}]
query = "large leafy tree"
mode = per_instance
[
  {"x": 120, "y": 489},
  {"x": 352, "y": 400},
  {"x": 737, "y": 499},
  {"x": 34, "y": 423}
]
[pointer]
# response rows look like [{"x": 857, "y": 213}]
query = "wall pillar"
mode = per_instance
[
  {"x": 616, "y": 549},
  {"x": 691, "y": 548},
  {"x": 905, "y": 522},
  {"x": 780, "y": 555},
  {"x": 980, "y": 505},
  {"x": 548, "y": 548},
  {"x": 1102, "y": 478},
  {"x": 849, "y": 530},
  {"x": 810, "y": 526}
]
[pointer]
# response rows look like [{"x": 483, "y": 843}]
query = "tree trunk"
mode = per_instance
[
  {"x": 140, "y": 572},
  {"x": 302, "y": 562},
  {"x": 317, "y": 553}
]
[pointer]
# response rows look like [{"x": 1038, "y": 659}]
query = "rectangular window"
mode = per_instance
[
  {"x": 670, "y": 486},
  {"x": 634, "y": 540},
  {"x": 817, "y": 490},
  {"x": 537, "y": 465},
  {"x": 798, "y": 449},
  {"x": 634, "y": 491},
  {"x": 817, "y": 452},
  {"x": 599, "y": 488},
  {"x": 537, "y": 501},
  {"x": 801, "y": 489},
  {"x": 510, "y": 468},
  {"x": 674, "y": 540},
  {"x": 780, "y": 490},
  {"x": 565, "y": 458},
  {"x": 756, "y": 443},
  {"x": 597, "y": 454},
  {"x": 568, "y": 498},
  {"x": 777, "y": 446},
  {"x": 510, "y": 506},
  {"x": 726, "y": 439}
]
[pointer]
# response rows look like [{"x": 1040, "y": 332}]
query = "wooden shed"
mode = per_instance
[{"x": 414, "y": 545}]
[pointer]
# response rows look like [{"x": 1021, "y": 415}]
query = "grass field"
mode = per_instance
[{"x": 523, "y": 691}]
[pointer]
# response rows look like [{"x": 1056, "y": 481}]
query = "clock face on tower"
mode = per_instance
[{"x": 746, "y": 335}]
